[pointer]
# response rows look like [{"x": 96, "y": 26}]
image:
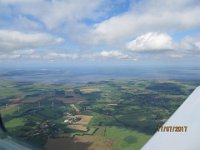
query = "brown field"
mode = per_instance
[
  {"x": 15, "y": 100},
  {"x": 8, "y": 107},
  {"x": 32, "y": 99},
  {"x": 89, "y": 90},
  {"x": 86, "y": 142},
  {"x": 79, "y": 127},
  {"x": 81, "y": 124},
  {"x": 84, "y": 119}
]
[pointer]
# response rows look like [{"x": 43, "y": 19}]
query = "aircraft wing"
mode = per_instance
[
  {"x": 182, "y": 129},
  {"x": 8, "y": 143}
]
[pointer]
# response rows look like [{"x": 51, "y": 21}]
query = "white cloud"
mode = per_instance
[
  {"x": 9, "y": 56},
  {"x": 161, "y": 45},
  {"x": 177, "y": 55},
  {"x": 149, "y": 16},
  {"x": 28, "y": 53},
  {"x": 24, "y": 52},
  {"x": 56, "y": 12},
  {"x": 151, "y": 41},
  {"x": 190, "y": 43},
  {"x": 35, "y": 56},
  {"x": 60, "y": 55},
  {"x": 112, "y": 54},
  {"x": 14, "y": 40}
]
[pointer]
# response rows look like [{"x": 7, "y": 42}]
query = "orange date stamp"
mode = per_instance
[{"x": 172, "y": 129}]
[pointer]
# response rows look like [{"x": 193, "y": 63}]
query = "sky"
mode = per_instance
[{"x": 141, "y": 32}]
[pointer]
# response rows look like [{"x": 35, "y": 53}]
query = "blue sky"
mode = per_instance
[{"x": 99, "y": 31}]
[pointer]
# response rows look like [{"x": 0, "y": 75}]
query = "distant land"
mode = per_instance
[{"x": 80, "y": 74}]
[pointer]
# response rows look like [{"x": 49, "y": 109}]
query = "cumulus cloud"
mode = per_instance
[
  {"x": 162, "y": 44},
  {"x": 151, "y": 41},
  {"x": 14, "y": 40}
]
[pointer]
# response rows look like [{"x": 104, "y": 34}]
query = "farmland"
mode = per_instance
[
  {"x": 112, "y": 114},
  {"x": 81, "y": 124}
]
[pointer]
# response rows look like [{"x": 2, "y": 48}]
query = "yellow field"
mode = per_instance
[
  {"x": 89, "y": 90},
  {"x": 79, "y": 127}
]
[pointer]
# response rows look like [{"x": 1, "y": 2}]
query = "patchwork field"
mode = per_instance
[
  {"x": 104, "y": 115},
  {"x": 81, "y": 124}
]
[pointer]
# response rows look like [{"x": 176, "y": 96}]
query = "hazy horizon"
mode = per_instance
[{"x": 84, "y": 74}]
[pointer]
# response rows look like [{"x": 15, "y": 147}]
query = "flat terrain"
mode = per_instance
[{"x": 103, "y": 115}]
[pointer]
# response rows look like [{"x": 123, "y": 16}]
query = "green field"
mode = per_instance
[
  {"x": 126, "y": 139},
  {"x": 16, "y": 122}
]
